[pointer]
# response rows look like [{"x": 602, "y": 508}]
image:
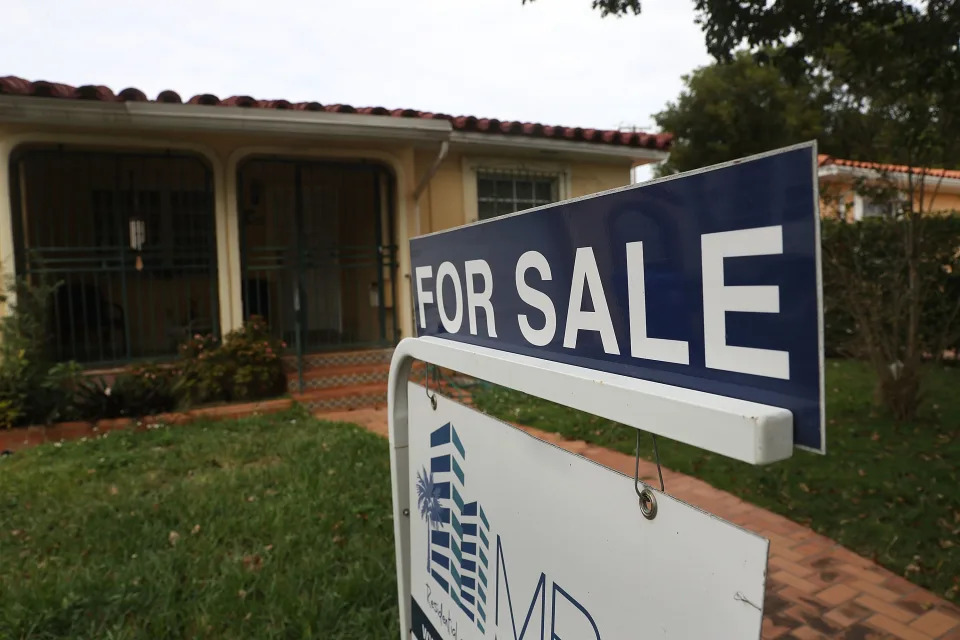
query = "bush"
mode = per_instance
[
  {"x": 892, "y": 297},
  {"x": 32, "y": 389},
  {"x": 872, "y": 251},
  {"x": 247, "y": 366},
  {"x": 257, "y": 360},
  {"x": 204, "y": 373},
  {"x": 140, "y": 391}
]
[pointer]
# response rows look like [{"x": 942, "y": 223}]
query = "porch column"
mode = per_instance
[
  {"x": 7, "y": 262},
  {"x": 406, "y": 228},
  {"x": 229, "y": 278}
]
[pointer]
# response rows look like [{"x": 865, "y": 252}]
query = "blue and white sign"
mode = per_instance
[
  {"x": 707, "y": 281},
  {"x": 512, "y": 538}
]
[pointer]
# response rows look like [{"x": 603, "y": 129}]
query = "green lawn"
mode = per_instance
[
  {"x": 270, "y": 527},
  {"x": 889, "y": 492}
]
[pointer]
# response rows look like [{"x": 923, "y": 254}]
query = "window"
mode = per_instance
[
  {"x": 867, "y": 207},
  {"x": 500, "y": 193}
]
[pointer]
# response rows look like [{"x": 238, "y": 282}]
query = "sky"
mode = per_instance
[{"x": 552, "y": 61}]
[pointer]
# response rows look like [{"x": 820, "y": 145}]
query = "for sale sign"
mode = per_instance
[{"x": 708, "y": 281}]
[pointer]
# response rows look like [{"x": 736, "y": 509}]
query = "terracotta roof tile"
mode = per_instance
[
  {"x": 825, "y": 160},
  {"x": 12, "y": 85}
]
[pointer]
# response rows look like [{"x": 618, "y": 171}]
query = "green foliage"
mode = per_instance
[
  {"x": 885, "y": 489},
  {"x": 249, "y": 529},
  {"x": 247, "y": 366},
  {"x": 32, "y": 389},
  {"x": 890, "y": 68},
  {"x": 734, "y": 109},
  {"x": 204, "y": 373},
  {"x": 139, "y": 391},
  {"x": 257, "y": 358},
  {"x": 884, "y": 72},
  {"x": 866, "y": 277},
  {"x": 612, "y": 7}
]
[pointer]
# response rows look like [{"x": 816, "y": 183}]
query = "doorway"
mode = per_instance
[{"x": 317, "y": 254}]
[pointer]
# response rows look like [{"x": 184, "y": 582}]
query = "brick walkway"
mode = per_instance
[{"x": 815, "y": 587}]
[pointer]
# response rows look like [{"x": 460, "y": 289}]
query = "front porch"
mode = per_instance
[{"x": 129, "y": 244}]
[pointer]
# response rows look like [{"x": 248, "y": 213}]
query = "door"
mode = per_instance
[{"x": 315, "y": 263}]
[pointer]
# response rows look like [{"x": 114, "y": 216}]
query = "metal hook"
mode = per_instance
[
  {"x": 648, "y": 500},
  {"x": 426, "y": 386},
  {"x": 656, "y": 453}
]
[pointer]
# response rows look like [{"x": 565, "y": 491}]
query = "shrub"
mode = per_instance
[
  {"x": 139, "y": 391},
  {"x": 32, "y": 389},
  {"x": 247, "y": 366},
  {"x": 204, "y": 373},
  {"x": 892, "y": 291},
  {"x": 147, "y": 389},
  {"x": 257, "y": 360}
]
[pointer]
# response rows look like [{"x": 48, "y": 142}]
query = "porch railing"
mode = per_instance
[{"x": 126, "y": 243}]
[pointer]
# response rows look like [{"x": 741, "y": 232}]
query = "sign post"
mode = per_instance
[{"x": 688, "y": 307}]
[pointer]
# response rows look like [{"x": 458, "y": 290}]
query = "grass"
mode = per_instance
[
  {"x": 889, "y": 492},
  {"x": 268, "y": 527}
]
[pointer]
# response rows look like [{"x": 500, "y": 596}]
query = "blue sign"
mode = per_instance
[{"x": 708, "y": 281}]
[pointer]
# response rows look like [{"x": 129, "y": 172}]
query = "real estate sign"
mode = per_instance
[
  {"x": 516, "y": 539},
  {"x": 707, "y": 281}
]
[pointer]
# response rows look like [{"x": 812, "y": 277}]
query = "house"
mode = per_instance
[
  {"x": 162, "y": 218},
  {"x": 856, "y": 190}
]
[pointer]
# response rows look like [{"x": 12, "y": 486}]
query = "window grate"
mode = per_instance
[{"x": 500, "y": 193}]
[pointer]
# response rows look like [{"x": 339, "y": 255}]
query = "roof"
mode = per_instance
[
  {"x": 825, "y": 160},
  {"x": 14, "y": 86}
]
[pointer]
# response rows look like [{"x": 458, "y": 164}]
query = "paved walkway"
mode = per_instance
[{"x": 815, "y": 587}]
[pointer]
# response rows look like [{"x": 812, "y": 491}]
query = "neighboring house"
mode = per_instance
[
  {"x": 163, "y": 218},
  {"x": 857, "y": 190}
]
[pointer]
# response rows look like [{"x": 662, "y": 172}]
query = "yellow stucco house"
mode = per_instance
[
  {"x": 162, "y": 218},
  {"x": 839, "y": 180}
]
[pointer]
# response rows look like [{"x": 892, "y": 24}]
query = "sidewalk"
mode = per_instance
[{"x": 815, "y": 587}]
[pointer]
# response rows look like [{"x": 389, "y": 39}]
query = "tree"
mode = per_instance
[
  {"x": 895, "y": 64},
  {"x": 428, "y": 502},
  {"x": 734, "y": 109},
  {"x": 891, "y": 67},
  {"x": 613, "y": 7}
]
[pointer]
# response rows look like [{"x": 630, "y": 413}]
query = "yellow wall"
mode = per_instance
[
  {"x": 837, "y": 198},
  {"x": 448, "y": 201},
  {"x": 591, "y": 178}
]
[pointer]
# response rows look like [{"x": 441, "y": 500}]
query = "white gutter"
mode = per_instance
[
  {"x": 187, "y": 117},
  {"x": 157, "y": 116},
  {"x": 588, "y": 150}
]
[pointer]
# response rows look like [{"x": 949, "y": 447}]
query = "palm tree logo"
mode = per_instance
[{"x": 428, "y": 502}]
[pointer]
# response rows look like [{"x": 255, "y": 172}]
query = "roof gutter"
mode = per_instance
[
  {"x": 187, "y": 117},
  {"x": 585, "y": 150}
]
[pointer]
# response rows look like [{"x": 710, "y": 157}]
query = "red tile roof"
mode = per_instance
[
  {"x": 825, "y": 160},
  {"x": 12, "y": 85}
]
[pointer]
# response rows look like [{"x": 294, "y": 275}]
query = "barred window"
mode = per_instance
[
  {"x": 500, "y": 193},
  {"x": 879, "y": 207}
]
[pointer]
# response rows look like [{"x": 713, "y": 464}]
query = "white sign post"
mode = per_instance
[{"x": 682, "y": 574}]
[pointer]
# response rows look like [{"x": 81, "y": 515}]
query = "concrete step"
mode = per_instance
[
  {"x": 342, "y": 376},
  {"x": 344, "y": 398},
  {"x": 339, "y": 359}
]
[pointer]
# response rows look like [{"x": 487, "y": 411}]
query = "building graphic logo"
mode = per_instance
[{"x": 458, "y": 532}]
